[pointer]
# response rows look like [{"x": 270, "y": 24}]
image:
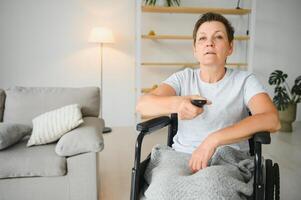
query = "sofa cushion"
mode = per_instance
[
  {"x": 12, "y": 133},
  {"x": 21, "y": 161},
  {"x": 52, "y": 125},
  {"x": 22, "y": 104},
  {"x": 2, "y": 99},
  {"x": 85, "y": 138}
]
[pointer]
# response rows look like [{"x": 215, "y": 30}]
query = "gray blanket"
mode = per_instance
[{"x": 229, "y": 176}]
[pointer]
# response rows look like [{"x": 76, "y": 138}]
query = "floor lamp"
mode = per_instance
[{"x": 101, "y": 36}]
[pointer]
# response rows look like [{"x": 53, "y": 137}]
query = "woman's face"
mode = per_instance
[{"x": 212, "y": 46}]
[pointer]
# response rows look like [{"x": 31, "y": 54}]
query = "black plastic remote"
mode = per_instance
[{"x": 198, "y": 102}]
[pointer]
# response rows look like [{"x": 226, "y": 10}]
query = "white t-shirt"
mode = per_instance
[{"x": 229, "y": 97}]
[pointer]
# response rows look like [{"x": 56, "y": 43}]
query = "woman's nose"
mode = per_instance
[{"x": 209, "y": 43}]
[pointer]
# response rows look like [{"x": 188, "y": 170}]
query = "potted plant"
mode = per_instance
[
  {"x": 285, "y": 99},
  {"x": 162, "y": 2}
]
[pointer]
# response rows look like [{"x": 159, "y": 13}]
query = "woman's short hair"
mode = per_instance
[{"x": 208, "y": 17}]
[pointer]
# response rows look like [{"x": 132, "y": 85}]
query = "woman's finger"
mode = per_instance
[
  {"x": 206, "y": 159},
  {"x": 198, "y": 165},
  {"x": 204, "y": 163},
  {"x": 194, "y": 165}
]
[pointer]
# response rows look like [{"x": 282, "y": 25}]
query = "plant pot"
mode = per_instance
[{"x": 287, "y": 117}]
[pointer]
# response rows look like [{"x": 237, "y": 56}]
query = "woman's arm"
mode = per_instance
[
  {"x": 264, "y": 118},
  {"x": 163, "y": 101}
]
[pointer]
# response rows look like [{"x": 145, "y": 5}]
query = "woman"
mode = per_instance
[{"x": 224, "y": 119}]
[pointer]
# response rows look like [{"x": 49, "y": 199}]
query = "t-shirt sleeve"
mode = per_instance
[
  {"x": 252, "y": 87},
  {"x": 175, "y": 82}
]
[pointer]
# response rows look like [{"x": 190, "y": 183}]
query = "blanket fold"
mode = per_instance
[{"x": 228, "y": 176}]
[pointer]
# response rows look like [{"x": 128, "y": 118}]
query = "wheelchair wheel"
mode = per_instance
[
  {"x": 276, "y": 181},
  {"x": 269, "y": 182},
  {"x": 272, "y": 184}
]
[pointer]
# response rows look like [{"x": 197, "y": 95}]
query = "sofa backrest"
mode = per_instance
[
  {"x": 22, "y": 104},
  {"x": 2, "y": 99}
]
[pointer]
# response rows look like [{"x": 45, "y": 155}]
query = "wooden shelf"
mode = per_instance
[
  {"x": 185, "y": 64},
  {"x": 184, "y": 37},
  {"x": 194, "y": 10},
  {"x": 169, "y": 64},
  {"x": 147, "y": 90},
  {"x": 167, "y": 37}
]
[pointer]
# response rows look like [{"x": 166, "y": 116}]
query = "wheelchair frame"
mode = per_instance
[{"x": 263, "y": 183}]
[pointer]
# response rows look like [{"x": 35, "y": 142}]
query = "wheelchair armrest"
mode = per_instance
[
  {"x": 153, "y": 124},
  {"x": 256, "y": 142},
  {"x": 145, "y": 128},
  {"x": 262, "y": 137}
]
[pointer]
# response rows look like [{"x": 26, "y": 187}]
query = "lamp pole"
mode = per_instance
[
  {"x": 101, "y": 35},
  {"x": 101, "y": 79},
  {"x": 105, "y": 129}
]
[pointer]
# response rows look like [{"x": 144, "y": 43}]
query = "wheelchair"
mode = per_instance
[{"x": 266, "y": 174}]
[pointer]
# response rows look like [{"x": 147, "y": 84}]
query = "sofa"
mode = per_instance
[{"x": 38, "y": 172}]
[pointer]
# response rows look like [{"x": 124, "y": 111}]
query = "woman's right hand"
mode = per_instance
[{"x": 186, "y": 110}]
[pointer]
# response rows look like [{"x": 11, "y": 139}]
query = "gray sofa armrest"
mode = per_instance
[
  {"x": 85, "y": 138},
  {"x": 83, "y": 176}
]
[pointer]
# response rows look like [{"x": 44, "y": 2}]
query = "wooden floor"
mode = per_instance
[{"x": 116, "y": 161}]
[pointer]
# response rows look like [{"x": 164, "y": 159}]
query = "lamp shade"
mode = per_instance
[{"x": 101, "y": 35}]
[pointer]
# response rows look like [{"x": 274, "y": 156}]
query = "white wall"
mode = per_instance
[
  {"x": 44, "y": 43},
  {"x": 277, "y": 40}
]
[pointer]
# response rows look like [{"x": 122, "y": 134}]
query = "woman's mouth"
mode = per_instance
[{"x": 209, "y": 53}]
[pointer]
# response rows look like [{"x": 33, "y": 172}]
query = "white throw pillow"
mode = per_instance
[{"x": 52, "y": 125}]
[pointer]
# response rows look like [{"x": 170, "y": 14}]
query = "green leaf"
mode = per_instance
[
  {"x": 150, "y": 2},
  {"x": 296, "y": 90},
  {"x": 169, "y": 2},
  {"x": 281, "y": 99},
  {"x": 173, "y": 2},
  {"x": 277, "y": 77},
  {"x": 279, "y": 103}
]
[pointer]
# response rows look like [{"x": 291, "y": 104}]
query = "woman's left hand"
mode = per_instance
[{"x": 200, "y": 156}]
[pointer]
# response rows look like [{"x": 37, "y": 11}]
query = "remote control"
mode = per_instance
[{"x": 198, "y": 103}]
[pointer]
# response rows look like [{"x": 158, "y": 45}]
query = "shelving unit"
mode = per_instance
[
  {"x": 185, "y": 64},
  {"x": 163, "y": 39},
  {"x": 185, "y": 37},
  {"x": 194, "y": 10}
]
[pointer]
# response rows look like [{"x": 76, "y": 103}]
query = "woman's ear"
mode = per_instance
[
  {"x": 230, "y": 48},
  {"x": 194, "y": 50}
]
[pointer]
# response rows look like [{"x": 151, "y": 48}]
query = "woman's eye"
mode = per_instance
[
  {"x": 219, "y": 37},
  {"x": 202, "y": 38}
]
